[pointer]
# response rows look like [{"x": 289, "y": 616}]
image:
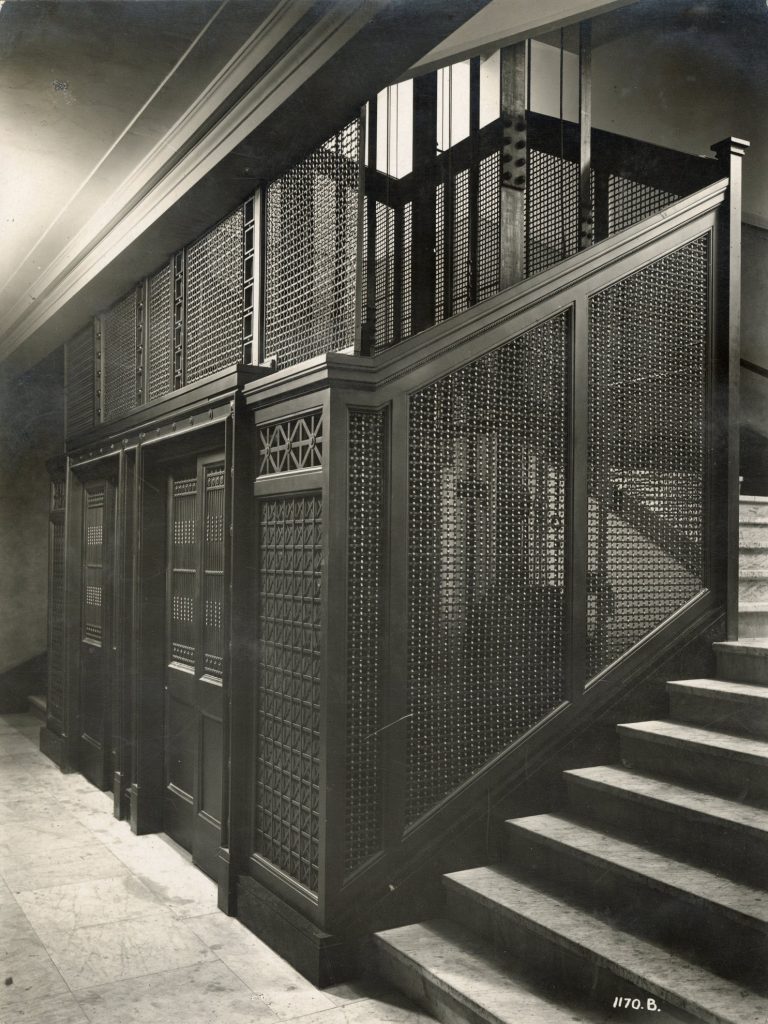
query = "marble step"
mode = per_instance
[
  {"x": 753, "y": 533},
  {"x": 753, "y": 584},
  {"x": 712, "y": 920},
  {"x": 743, "y": 660},
  {"x": 590, "y": 953},
  {"x": 731, "y": 837},
  {"x": 715, "y": 704},
  {"x": 753, "y": 619},
  {"x": 457, "y": 976},
  {"x": 754, "y": 557},
  {"x": 753, "y": 508},
  {"x": 735, "y": 766}
]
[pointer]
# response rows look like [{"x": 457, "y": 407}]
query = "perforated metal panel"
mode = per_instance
[
  {"x": 293, "y": 444},
  {"x": 93, "y": 563},
  {"x": 311, "y": 252},
  {"x": 552, "y": 231},
  {"x": 120, "y": 368},
  {"x": 213, "y": 570},
  {"x": 365, "y": 625},
  {"x": 214, "y": 299},
  {"x": 489, "y": 227},
  {"x": 183, "y": 568},
  {"x": 632, "y": 201},
  {"x": 647, "y": 358},
  {"x": 287, "y": 819},
  {"x": 461, "y": 257},
  {"x": 159, "y": 361},
  {"x": 56, "y": 621},
  {"x": 79, "y": 384},
  {"x": 485, "y": 558}
]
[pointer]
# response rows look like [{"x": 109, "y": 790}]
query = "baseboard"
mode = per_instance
[
  {"x": 54, "y": 746},
  {"x": 19, "y": 683},
  {"x": 322, "y": 958}
]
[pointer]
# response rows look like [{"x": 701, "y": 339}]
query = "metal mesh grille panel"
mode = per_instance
[
  {"x": 119, "y": 347},
  {"x": 288, "y": 759},
  {"x": 292, "y": 444},
  {"x": 647, "y": 359},
  {"x": 365, "y": 633},
  {"x": 489, "y": 227},
  {"x": 385, "y": 275},
  {"x": 213, "y": 570},
  {"x": 56, "y": 623},
  {"x": 485, "y": 558},
  {"x": 160, "y": 335},
  {"x": 183, "y": 548},
  {"x": 93, "y": 541},
  {"x": 79, "y": 384},
  {"x": 312, "y": 252},
  {"x": 631, "y": 201},
  {"x": 552, "y": 211},
  {"x": 214, "y": 299},
  {"x": 461, "y": 267}
]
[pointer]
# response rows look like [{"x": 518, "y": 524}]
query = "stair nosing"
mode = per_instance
[
  {"x": 721, "y": 688},
  {"x": 699, "y": 740},
  {"x": 624, "y": 967}
]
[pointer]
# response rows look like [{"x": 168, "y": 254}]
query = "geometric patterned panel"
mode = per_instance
[
  {"x": 647, "y": 427},
  {"x": 287, "y": 812},
  {"x": 291, "y": 444},
  {"x": 213, "y": 570},
  {"x": 119, "y": 376},
  {"x": 56, "y": 622},
  {"x": 486, "y": 500},
  {"x": 311, "y": 252},
  {"x": 552, "y": 211},
  {"x": 183, "y": 566},
  {"x": 214, "y": 299},
  {"x": 631, "y": 201},
  {"x": 93, "y": 542},
  {"x": 159, "y": 360},
  {"x": 79, "y": 384},
  {"x": 365, "y": 575}
]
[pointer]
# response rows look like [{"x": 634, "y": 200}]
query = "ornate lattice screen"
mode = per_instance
[
  {"x": 214, "y": 299},
  {"x": 80, "y": 384},
  {"x": 119, "y": 347},
  {"x": 311, "y": 252},
  {"x": 486, "y": 513},
  {"x": 56, "y": 607},
  {"x": 93, "y": 563},
  {"x": 183, "y": 569},
  {"x": 287, "y": 818},
  {"x": 159, "y": 361},
  {"x": 365, "y": 625},
  {"x": 632, "y": 201},
  {"x": 647, "y": 392},
  {"x": 213, "y": 569}
]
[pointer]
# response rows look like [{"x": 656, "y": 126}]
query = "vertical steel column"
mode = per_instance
[
  {"x": 473, "y": 182},
  {"x": 424, "y": 153},
  {"x": 586, "y": 213},
  {"x": 514, "y": 165}
]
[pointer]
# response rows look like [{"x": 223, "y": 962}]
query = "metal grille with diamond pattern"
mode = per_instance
[
  {"x": 647, "y": 392},
  {"x": 119, "y": 347},
  {"x": 183, "y": 570},
  {"x": 485, "y": 558},
  {"x": 311, "y": 252},
  {"x": 287, "y": 819},
  {"x": 160, "y": 335},
  {"x": 80, "y": 384},
  {"x": 93, "y": 564}
]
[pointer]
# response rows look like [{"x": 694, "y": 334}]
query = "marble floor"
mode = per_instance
[{"x": 97, "y": 924}]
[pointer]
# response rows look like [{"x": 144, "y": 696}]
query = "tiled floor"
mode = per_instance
[{"x": 97, "y": 924}]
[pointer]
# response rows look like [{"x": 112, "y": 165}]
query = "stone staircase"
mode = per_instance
[
  {"x": 753, "y": 567},
  {"x": 647, "y": 893}
]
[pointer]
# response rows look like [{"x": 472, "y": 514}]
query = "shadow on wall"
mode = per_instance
[{"x": 31, "y": 431}]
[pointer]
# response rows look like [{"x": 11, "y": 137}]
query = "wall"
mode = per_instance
[{"x": 31, "y": 431}]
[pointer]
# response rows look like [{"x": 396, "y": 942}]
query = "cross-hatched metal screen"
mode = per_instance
[
  {"x": 213, "y": 570},
  {"x": 159, "y": 362},
  {"x": 214, "y": 299},
  {"x": 366, "y": 538},
  {"x": 311, "y": 252},
  {"x": 119, "y": 348},
  {"x": 183, "y": 569},
  {"x": 486, "y": 509},
  {"x": 647, "y": 426},
  {"x": 56, "y": 622},
  {"x": 80, "y": 384},
  {"x": 552, "y": 210},
  {"x": 287, "y": 820},
  {"x": 632, "y": 201},
  {"x": 93, "y": 564}
]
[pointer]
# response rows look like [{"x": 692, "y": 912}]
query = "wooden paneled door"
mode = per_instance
[
  {"x": 194, "y": 678},
  {"x": 94, "y": 698}
]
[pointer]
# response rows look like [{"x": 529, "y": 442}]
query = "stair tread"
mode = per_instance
[
  {"x": 753, "y": 574},
  {"x": 460, "y": 962},
  {"x": 659, "y": 791},
  {"x": 651, "y": 967},
  {"x": 753, "y": 606},
  {"x": 745, "y": 903},
  {"x": 721, "y": 688},
  {"x": 746, "y": 748},
  {"x": 748, "y": 647}
]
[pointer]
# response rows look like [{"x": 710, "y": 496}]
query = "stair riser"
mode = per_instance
[
  {"x": 753, "y": 589},
  {"x": 697, "y": 767},
  {"x": 753, "y": 558},
  {"x": 722, "y": 848},
  {"x": 753, "y": 623},
  {"x": 742, "y": 668},
  {"x": 753, "y": 510},
  {"x": 747, "y": 718},
  {"x": 752, "y": 535},
  {"x": 409, "y": 978},
  {"x": 699, "y": 930},
  {"x": 564, "y": 967}
]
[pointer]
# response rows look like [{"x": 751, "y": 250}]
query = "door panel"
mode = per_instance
[
  {"x": 94, "y": 696},
  {"x": 194, "y": 676}
]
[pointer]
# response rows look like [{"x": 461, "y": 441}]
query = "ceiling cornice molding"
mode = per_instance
[{"x": 184, "y": 155}]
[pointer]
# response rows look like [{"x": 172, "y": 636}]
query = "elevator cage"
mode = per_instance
[{"x": 474, "y": 473}]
